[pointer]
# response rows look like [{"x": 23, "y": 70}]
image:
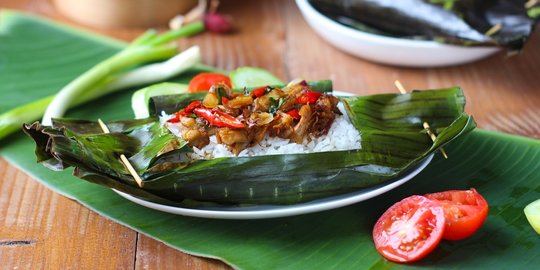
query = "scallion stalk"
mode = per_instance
[
  {"x": 128, "y": 68},
  {"x": 148, "y": 48},
  {"x": 12, "y": 120}
]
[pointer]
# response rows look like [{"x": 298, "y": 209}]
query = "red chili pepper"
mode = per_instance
[
  {"x": 185, "y": 112},
  {"x": 294, "y": 113},
  {"x": 189, "y": 108},
  {"x": 309, "y": 97},
  {"x": 174, "y": 119},
  {"x": 218, "y": 118},
  {"x": 224, "y": 100},
  {"x": 258, "y": 92}
]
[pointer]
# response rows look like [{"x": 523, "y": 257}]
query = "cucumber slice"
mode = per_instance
[
  {"x": 140, "y": 99},
  {"x": 532, "y": 212},
  {"x": 252, "y": 77}
]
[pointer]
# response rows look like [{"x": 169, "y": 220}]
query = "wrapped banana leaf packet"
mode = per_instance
[
  {"x": 393, "y": 141},
  {"x": 504, "y": 23}
]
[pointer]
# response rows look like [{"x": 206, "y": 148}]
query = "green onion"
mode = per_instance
[
  {"x": 147, "y": 48},
  {"x": 221, "y": 93},
  {"x": 12, "y": 120},
  {"x": 126, "y": 69},
  {"x": 275, "y": 104}
]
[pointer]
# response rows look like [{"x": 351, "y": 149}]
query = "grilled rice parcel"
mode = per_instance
[{"x": 280, "y": 144}]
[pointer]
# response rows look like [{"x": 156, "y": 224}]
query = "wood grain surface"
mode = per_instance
[{"x": 41, "y": 229}]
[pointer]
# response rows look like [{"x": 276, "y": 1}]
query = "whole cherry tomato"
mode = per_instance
[{"x": 203, "y": 81}]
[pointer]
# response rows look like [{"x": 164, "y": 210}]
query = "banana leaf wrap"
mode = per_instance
[
  {"x": 393, "y": 141},
  {"x": 463, "y": 22}
]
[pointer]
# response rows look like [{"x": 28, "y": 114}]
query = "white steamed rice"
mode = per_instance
[{"x": 341, "y": 136}]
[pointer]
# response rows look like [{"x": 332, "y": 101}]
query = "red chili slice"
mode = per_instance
[
  {"x": 294, "y": 113},
  {"x": 218, "y": 118},
  {"x": 309, "y": 97},
  {"x": 258, "y": 92},
  {"x": 224, "y": 100},
  {"x": 175, "y": 118},
  {"x": 189, "y": 109},
  {"x": 185, "y": 112}
]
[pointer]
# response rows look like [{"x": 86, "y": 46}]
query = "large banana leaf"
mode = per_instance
[
  {"x": 462, "y": 22},
  {"x": 392, "y": 143},
  {"x": 503, "y": 168}
]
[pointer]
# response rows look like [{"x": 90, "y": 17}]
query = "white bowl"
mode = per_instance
[{"x": 388, "y": 50}]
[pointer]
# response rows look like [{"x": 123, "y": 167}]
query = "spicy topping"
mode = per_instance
[{"x": 241, "y": 120}]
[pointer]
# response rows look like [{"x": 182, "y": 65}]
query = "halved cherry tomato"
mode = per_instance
[
  {"x": 203, "y": 81},
  {"x": 294, "y": 113},
  {"x": 309, "y": 97},
  {"x": 465, "y": 212},
  {"x": 409, "y": 229},
  {"x": 218, "y": 118}
]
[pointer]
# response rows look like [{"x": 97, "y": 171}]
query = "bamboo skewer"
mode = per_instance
[
  {"x": 496, "y": 28},
  {"x": 123, "y": 158},
  {"x": 432, "y": 135},
  {"x": 400, "y": 87},
  {"x": 531, "y": 3}
]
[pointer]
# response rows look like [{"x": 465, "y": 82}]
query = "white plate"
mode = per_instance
[
  {"x": 273, "y": 211},
  {"x": 388, "y": 50}
]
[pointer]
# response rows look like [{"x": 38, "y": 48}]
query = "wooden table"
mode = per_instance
[{"x": 41, "y": 229}]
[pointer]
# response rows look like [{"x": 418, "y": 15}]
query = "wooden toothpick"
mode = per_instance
[
  {"x": 400, "y": 87},
  {"x": 432, "y": 135},
  {"x": 530, "y": 3},
  {"x": 494, "y": 29},
  {"x": 123, "y": 158}
]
